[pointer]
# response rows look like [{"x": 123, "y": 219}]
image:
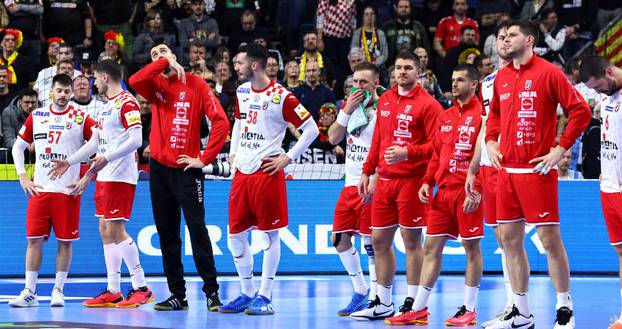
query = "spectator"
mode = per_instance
[
  {"x": 222, "y": 54},
  {"x": 564, "y": 171},
  {"x": 490, "y": 45},
  {"x": 371, "y": 39},
  {"x": 392, "y": 79},
  {"x": 488, "y": 14},
  {"x": 608, "y": 10},
  {"x": 312, "y": 94},
  {"x": 532, "y": 9},
  {"x": 14, "y": 116},
  {"x": 113, "y": 47},
  {"x": 86, "y": 62},
  {"x": 167, "y": 8},
  {"x": 484, "y": 65},
  {"x": 336, "y": 21},
  {"x": 70, "y": 20},
  {"x": 403, "y": 32},
  {"x": 311, "y": 53},
  {"x": 431, "y": 15},
  {"x": 198, "y": 27},
  {"x": 63, "y": 67},
  {"x": 25, "y": 15},
  {"x": 548, "y": 47},
  {"x": 427, "y": 79},
  {"x": 4, "y": 16},
  {"x": 197, "y": 63},
  {"x": 347, "y": 90},
  {"x": 144, "y": 152},
  {"x": 577, "y": 18},
  {"x": 223, "y": 74},
  {"x": 19, "y": 68},
  {"x": 82, "y": 97},
  {"x": 51, "y": 57},
  {"x": 467, "y": 45},
  {"x": 328, "y": 115},
  {"x": 292, "y": 75},
  {"x": 272, "y": 68},
  {"x": 115, "y": 15},
  {"x": 448, "y": 32},
  {"x": 44, "y": 78},
  {"x": 153, "y": 32},
  {"x": 247, "y": 33},
  {"x": 6, "y": 94}
]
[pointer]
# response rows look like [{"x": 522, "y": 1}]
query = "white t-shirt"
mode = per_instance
[
  {"x": 357, "y": 148},
  {"x": 610, "y": 143}
]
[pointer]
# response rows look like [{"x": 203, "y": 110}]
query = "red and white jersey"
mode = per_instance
[
  {"x": 610, "y": 144},
  {"x": 487, "y": 89},
  {"x": 263, "y": 116},
  {"x": 56, "y": 136},
  {"x": 92, "y": 108},
  {"x": 357, "y": 149},
  {"x": 114, "y": 120}
]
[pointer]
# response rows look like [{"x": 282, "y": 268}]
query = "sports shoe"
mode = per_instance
[
  {"x": 357, "y": 303},
  {"x": 237, "y": 305},
  {"x": 564, "y": 319},
  {"x": 515, "y": 320},
  {"x": 617, "y": 324},
  {"x": 462, "y": 318},
  {"x": 26, "y": 298},
  {"x": 173, "y": 303},
  {"x": 408, "y": 316},
  {"x": 213, "y": 302},
  {"x": 375, "y": 311},
  {"x": 497, "y": 317},
  {"x": 135, "y": 298},
  {"x": 260, "y": 305},
  {"x": 105, "y": 299},
  {"x": 58, "y": 299}
]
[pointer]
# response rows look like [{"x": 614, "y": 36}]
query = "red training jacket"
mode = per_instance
[
  {"x": 523, "y": 110},
  {"x": 408, "y": 121},
  {"x": 177, "y": 111}
]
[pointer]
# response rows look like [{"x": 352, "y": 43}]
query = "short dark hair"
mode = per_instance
[
  {"x": 546, "y": 12},
  {"x": 66, "y": 45},
  {"x": 593, "y": 67},
  {"x": 367, "y": 66},
  {"x": 27, "y": 92},
  {"x": 527, "y": 28},
  {"x": 63, "y": 80},
  {"x": 471, "y": 71},
  {"x": 502, "y": 26},
  {"x": 196, "y": 44},
  {"x": 111, "y": 68},
  {"x": 66, "y": 61},
  {"x": 479, "y": 60},
  {"x": 466, "y": 28},
  {"x": 256, "y": 53},
  {"x": 571, "y": 65},
  {"x": 407, "y": 55},
  {"x": 163, "y": 43}
]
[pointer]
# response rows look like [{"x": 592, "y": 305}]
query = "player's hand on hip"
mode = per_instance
[
  {"x": 424, "y": 193},
  {"x": 549, "y": 160},
  {"x": 80, "y": 186},
  {"x": 471, "y": 204},
  {"x": 493, "y": 154},
  {"x": 394, "y": 154},
  {"x": 190, "y": 162},
  {"x": 99, "y": 162},
  {"x": 29, "y": 187},
  {"x": 469, "y": 185},
  {"x": 272, "y": 165},
  {"x": 60, "y": 168},
  {"x": 232, "y": 164}
]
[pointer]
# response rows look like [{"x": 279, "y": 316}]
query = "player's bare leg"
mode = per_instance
[
  {"x": 63, "y": 259},
  {"x": 352, "y": 263},
  {"x": 414, "y": 258},
  {"x": 34, "y": 253}
]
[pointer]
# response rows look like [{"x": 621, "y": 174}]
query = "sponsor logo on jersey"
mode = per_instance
[
  {"x": 68, "y": 125},
  {"x": 446, "y": 128},
  {"x": 468, "y": 120},
  {"x": 242, "y": 90},
  {"x": 408, "y": 108},
  {"x": 256, "y": 98},
  {"x": 276, "y": 99},
  {"x": 490, "y": 77},
  {"x": 182, "y": 96},
  {"x": 41, "y": 136},
  {"x": 609, "y": 108},
  {"x": 264, "y": 106},
  {"x": 527, "y": 84},
  {"x": 50, "y": 155},
  {"x": 132, "y": 118},
  {"x": 301, "y": 111},
  {"x": 56, "y": 127},
  {"x": 505, "y": 96},
  {"x": 58, "y": 119},
  {"x": 78, "y": 119},
  {"x": 385, "y": 113},
  {"x": 160, "y": 97},
  {"x": 254, "y": 107},
  {"x": 41, "y": 114}
]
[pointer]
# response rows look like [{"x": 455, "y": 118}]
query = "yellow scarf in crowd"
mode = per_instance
[
  {"x": 9, "y": 64},
  {"x": 303, "y": 64},
  {"x": 366, "y": 48}
]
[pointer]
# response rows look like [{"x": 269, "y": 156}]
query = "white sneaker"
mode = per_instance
[
  {"x": 375, "y": 311},
  {"x": 565, "y": 318},
  {"x": 58, "y": 299},
  {"x": 515, "y": 320},
  {"x": 26, "y": 298},
  {"x": 497, "y": 317}
]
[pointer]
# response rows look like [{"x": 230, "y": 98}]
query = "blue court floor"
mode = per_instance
[{"x": 304, "y": 302}]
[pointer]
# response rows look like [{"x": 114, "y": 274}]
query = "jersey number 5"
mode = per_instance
[{"x": 54, "y": 137}]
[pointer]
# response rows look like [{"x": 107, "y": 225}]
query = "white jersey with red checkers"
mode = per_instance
[
  {"x": 120, "y": 114},
  {"x": 610, "y": 144},
  {"x": 56, "y": 136},
  {"x": 263, "y": 116}
]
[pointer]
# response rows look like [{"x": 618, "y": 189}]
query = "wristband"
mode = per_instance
[{"x": 343, "y": 118}]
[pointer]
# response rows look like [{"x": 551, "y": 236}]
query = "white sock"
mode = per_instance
[
  {"x": 31, "y": 280},
  {"x": 384, "y": 293},
  {"x": 59, "y": 281},
  {"x": 521, "y": 300},
  {"x": 371, "y": 262},
  {"x": 129, "y": 252},
  {"x": 423, "y": 296},
  {"x": 271, "y": 258},
  {"x": 509, "y": 294},
  {"x": 412, "y": 290},
  {"x": 244, "y": 262},
  {"x": 563, "y": 299},
  {"x": 113, "y": 267},
  {"x": 470, "y": 297},
  {"x": 352, "y": 263}
]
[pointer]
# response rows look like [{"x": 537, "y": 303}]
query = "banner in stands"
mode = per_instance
[{"x": 306, "y": 243}]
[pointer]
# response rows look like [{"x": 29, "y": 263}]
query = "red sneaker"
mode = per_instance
[
  {"x": 105, "y": 299},
  {"x": 138, "y": 297},
  {"x": 408, "y": 316},
  {"x": 616, "y": 325},
  {"x": 462, "y": 318}
]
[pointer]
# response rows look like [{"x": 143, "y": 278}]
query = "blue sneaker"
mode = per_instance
[
  {"x": 357, "y": 303},
  {"x": 261, "y": 305},
  {"x": 237, "y": 305}
]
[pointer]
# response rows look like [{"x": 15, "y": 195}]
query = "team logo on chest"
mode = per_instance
[{"x": 528, "y": 84}]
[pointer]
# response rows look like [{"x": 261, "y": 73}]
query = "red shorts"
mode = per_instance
[
  {"x": 114, "y": 200},
  {"x": 53, "y": 210},
  {"x": 532, "y": 197},
  {"x": 351, "y": 215},
  {"x": 612, "y": 209},
  {"x": 489, "y": 194},
  {"x": 396, "y": 202},
  {"x": 257, "y": 201},
  {"x": 447, "y": 217}
]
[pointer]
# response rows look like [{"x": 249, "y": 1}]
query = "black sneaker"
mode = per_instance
[
  {"x": 407, "y": 306},
  {"x": 173, "y": 303},
  {"x": 213, "y": 302},
  {"x": 564, "y": 318}
]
